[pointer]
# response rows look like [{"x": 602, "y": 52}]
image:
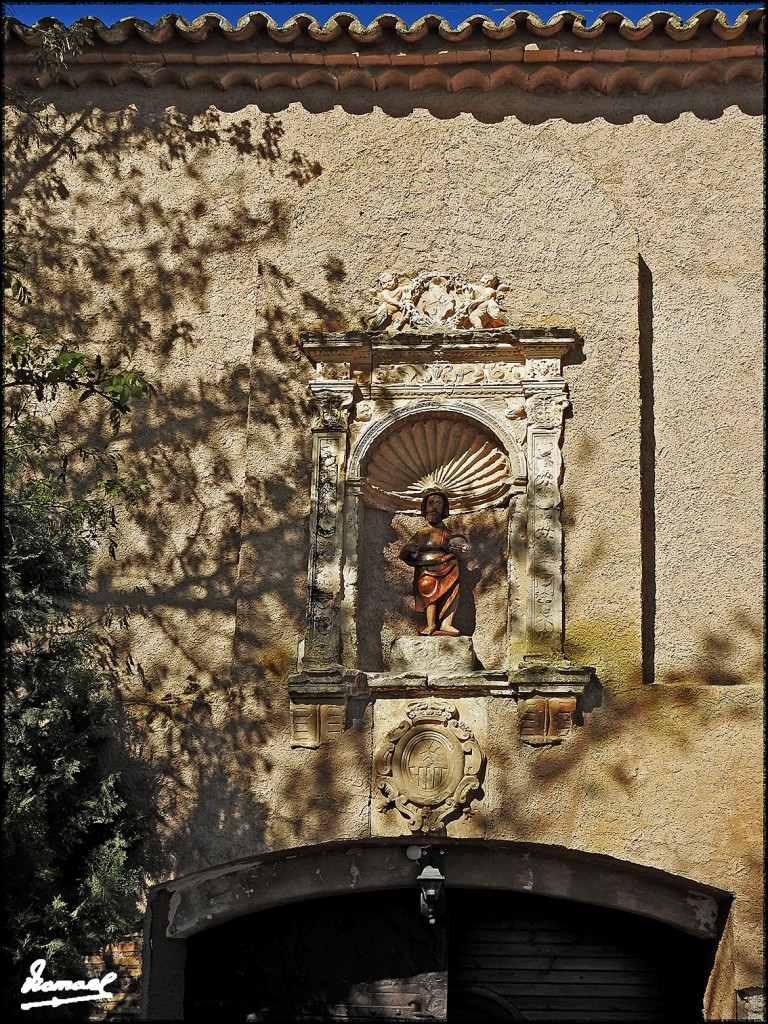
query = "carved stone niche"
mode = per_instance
[{"x": 479, "y": 414}]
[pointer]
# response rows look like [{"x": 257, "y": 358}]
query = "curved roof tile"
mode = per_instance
[
  {"x": 198, "y": 30},
  {"x": 523, "y": 51}
]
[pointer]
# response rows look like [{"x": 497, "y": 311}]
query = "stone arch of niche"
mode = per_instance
[
  {"x": 377, "y": 432},
  {"x": 443, "y": 413},
  {"x": 366, "y": 385}
]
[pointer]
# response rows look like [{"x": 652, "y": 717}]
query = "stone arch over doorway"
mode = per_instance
[
  {"x": 212, "y": 897},
  {"x": 187, "y": 907}
]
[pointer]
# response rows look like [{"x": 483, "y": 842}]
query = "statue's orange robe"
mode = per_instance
[{"x": 437, "y": 581}]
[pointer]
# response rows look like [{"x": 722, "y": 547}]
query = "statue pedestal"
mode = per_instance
[{"x": 432, "y": 655}]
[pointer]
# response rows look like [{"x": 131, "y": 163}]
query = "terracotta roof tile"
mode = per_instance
[
  {"x": 340, "y": 25},
  {"x": 522, "y": 51}
]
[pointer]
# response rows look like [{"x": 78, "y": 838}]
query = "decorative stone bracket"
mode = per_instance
[
  {"x": 548, "y": 697},
  {"x": 319, "y": 704}
]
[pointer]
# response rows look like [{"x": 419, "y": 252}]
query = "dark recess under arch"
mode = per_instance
[{"x": 501, "y": 955}]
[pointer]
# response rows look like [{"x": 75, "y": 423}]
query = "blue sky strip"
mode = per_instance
[{"x": 29, "y": 13}]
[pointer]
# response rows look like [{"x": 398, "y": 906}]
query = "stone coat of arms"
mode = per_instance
[{"x": 429, "y": 766}]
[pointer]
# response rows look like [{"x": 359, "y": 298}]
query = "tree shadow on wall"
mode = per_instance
[{"x": 223, "y": 528}]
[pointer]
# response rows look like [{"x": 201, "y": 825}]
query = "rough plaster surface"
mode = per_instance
[{"x": 230, "y": 230}]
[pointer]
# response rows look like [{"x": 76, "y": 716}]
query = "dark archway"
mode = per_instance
[
  {"x": 317, "y": 876},
  {"x": 490, "y": 956}
]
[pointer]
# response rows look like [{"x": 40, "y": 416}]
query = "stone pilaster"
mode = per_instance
[
  {"x": 517, "y": 542},
  {"x": 352, "y": 524},
  {"x": 545, "y": 404},
  {"x": 322, "y": 645}
]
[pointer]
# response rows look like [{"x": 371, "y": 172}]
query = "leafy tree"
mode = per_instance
[
  {"x": 69, "y": 824},
  {"x": 59, "y": 42}
]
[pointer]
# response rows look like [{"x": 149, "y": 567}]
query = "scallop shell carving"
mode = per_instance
[{"x": 458, "y": 457}]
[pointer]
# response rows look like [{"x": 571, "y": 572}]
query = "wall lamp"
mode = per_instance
[{"x": 431, "y": 878}]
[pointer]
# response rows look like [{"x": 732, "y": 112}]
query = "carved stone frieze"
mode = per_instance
[
  {"x": 441, "y": 374},
  {"x": 430, "y": 299},
  {"x": 429, "y": 766}
]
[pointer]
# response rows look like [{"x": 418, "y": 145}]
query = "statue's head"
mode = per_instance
[
  {"x": 490, "y": 280},
  {"x": 387, "y": 279},
  {"x": 434, "y": 505}
]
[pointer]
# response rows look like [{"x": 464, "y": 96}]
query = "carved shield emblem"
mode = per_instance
[{"x": 429, "y": 766}]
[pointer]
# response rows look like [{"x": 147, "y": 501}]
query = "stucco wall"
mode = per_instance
[{"x": 205, "y": 232}]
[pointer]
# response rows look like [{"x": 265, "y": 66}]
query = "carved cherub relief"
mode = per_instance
[
  {"x": 432, "y": 299},
  {"x": 392, "y": 307},
  {"x": 482, "y": 308}
]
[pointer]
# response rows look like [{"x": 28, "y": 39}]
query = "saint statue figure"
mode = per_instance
[{"x": 433, "y": 553}]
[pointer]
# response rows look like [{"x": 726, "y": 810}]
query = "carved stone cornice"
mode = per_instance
[
  {"x": 365, "y": 349},
  {"x": 563, "y": 678},
  {"x": 549, "y": 697}
]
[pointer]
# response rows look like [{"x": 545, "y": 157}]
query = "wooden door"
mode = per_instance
[
  {"x": 367, "y": 956},
  {"x": 515, "y": 956}
]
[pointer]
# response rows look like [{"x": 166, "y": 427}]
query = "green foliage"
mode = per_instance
[
  {"x": 61, "y": 42},
  {"x": 40, "y": 367},
  {"x": 69, "y": 825},
  {"x": 14, "y": 262}
]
